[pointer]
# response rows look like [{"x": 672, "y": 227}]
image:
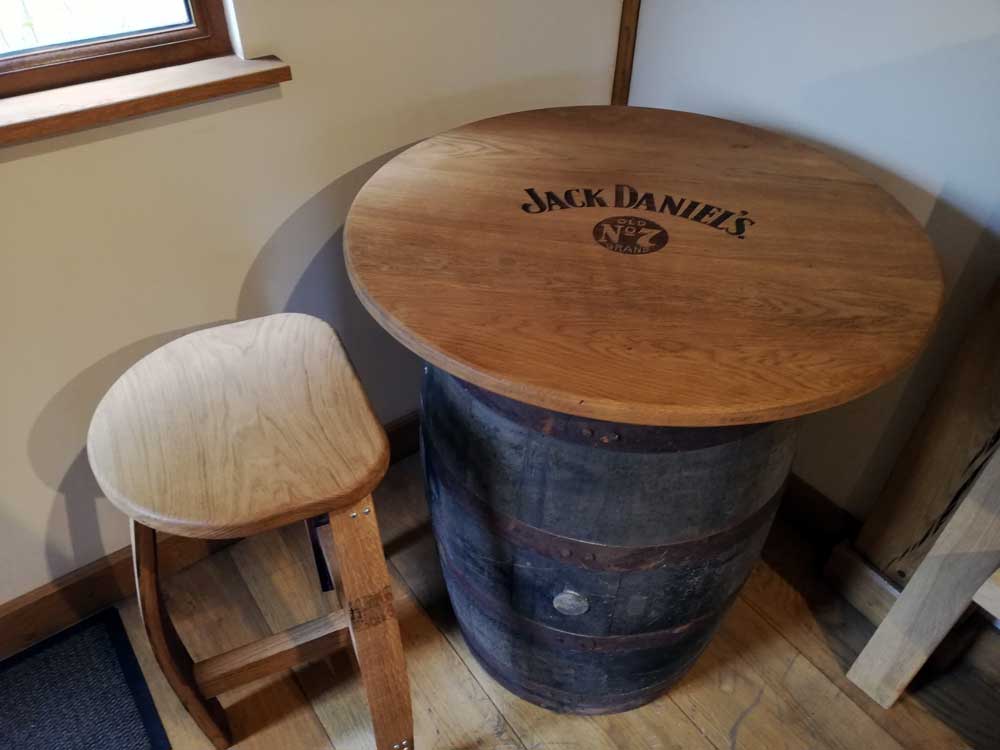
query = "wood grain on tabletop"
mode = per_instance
[
  {"x": 235, "y": 429},
  {"x": 752, "y": 277}
]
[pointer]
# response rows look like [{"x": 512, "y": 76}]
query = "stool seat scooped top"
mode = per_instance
[{"x": 236, "y": 429}]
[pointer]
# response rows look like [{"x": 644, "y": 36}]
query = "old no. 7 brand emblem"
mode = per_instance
[{"x": 630, "y": 235}]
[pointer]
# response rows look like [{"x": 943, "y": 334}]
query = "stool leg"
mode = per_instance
[
  {"x": 367, "y": 596},
  {"x": 171, "y": 655}
]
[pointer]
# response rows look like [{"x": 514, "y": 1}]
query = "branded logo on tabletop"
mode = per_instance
[
  {"x": 630, "y": 235},
  {"x": 633, "y": 235}
]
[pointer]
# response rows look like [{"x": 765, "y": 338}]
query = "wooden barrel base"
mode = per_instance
[
  {"x": 589, "y": 564},
  {"x": 564, "y": 702},
  {"x": 510, "y": 663}
]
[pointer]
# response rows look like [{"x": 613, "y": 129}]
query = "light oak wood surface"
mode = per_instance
[
  {"x": 965, "y": 555},
  {"x": 831, "y": 291},
  {"x": 75, "y": 596},
  {"x": 450, "y": 710},
  {"x": 305, "y": 642},
  {"x": 988, "y": 595},
  {"x": 214, "y": 611},
  {"x": 232, "y": 430}
]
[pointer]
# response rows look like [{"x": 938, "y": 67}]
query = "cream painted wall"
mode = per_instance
[
  {"x": 115, "y": 240},
  {"x": 906, "y": 91}
]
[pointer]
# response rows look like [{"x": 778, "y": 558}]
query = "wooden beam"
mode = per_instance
[
  {"x": 626, "y": 51},
  {"x": 298, "y": 645},
  {"x": 965, "y": 555},
  {"x": 988, "y": 596},
  {"x": 867, "y": 590},
  {"x": 953, "y": 439}
]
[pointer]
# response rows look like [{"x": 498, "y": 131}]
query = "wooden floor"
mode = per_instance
[{"x": 773, "y": 677}]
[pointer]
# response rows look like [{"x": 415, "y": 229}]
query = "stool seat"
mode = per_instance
[{"x": 236, "y": 429}]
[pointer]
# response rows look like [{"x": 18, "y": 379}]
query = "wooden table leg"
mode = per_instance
[
  {"x": 171, "y": 655},
  {"x": 965, "y": 555},
  {"x": 367, "y": 596}
]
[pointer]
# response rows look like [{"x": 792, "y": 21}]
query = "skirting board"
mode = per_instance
[{"x": 75, "y": 596}]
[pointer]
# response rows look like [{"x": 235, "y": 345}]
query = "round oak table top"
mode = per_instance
[{"x": 643, "y": 266}]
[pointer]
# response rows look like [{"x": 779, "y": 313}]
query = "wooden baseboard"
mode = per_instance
[
  {"x": 75, "y": 596},
  {"x": 815, "y": 515}
]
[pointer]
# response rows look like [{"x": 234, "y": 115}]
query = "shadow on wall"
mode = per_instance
[
  {"x": 869, "y": 432},
  {"x": 926, "y": 111},
  {"x": 58, "y": 454},
  {"x": 155, "y": 120},
  {"x": 301, "y": 269}
]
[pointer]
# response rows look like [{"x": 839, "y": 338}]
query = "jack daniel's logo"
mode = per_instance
[{"x": 734, "y": 223}]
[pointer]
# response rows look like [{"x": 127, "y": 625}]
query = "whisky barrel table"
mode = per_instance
[{"x": 622, "y": 312}]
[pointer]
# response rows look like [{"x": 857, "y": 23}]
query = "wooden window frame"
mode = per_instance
[{"x": 207, "y": 36}]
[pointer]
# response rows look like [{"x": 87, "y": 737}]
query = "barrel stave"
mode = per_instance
[{"x": 645, "y": 534}]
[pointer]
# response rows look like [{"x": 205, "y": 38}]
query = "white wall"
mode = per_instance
[
  {"x": 115, "y": 240},
  {"x": 909, "y": 92}
]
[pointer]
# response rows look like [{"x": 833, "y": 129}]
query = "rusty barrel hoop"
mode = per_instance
[{"x": 589, "y": 563}]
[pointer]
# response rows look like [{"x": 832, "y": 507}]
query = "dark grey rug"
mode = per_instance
[{"x": 79, "y": 690}]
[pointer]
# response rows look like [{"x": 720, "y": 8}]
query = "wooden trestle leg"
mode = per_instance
[{"x": 171, "y": 655}]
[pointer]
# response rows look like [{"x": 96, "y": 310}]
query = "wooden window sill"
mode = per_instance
[{"x": 86, "y": 105}]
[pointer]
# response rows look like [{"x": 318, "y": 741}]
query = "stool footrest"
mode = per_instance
[{"x": 303, "y": 643}]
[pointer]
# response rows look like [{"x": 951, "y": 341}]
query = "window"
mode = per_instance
[{"x": 50, "y": 43}]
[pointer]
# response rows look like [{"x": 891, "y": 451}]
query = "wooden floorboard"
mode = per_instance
[
  {"x": 829, "y": 633},
  {"x": 450, "y": 708},
  {"x": 772, "y": 678},
  {"x": 955, "y": 710}
]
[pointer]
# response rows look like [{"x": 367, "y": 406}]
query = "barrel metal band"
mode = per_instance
[
  {"x": 593, "y": 555},
  {"x": 577, "y": 702},
  {"x": 597, "y": 433},
  {"x": 559, "y": 639}
]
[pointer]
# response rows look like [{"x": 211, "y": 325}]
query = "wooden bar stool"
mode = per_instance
[{"x": 238, "y": 429}]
